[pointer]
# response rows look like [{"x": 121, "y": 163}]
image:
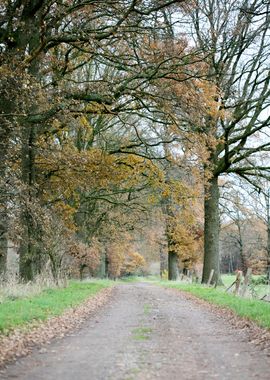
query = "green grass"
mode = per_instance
[
  {"x": 258, "y": 290},
  {"x": 255, "y": 310},
  {"x": 228, "y": 279},
  {"x": 129, "y": 279},
  {"x": 141, "y": 333},
  {"x": 50, "y": 302},
  {"x": 147, "y": 309}
]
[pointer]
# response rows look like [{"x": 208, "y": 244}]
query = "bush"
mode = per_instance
[{"x": 261, "y": 280}]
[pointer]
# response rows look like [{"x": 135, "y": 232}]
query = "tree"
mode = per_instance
[
  {"x": 260, "y": 198},
  {"x": 85, "y": 257},
  {"x": 235, "y": 210},
  {"x": 236, "y": 50},
  {"x": 267, "y": 202},
  {"x": 47, "y": 45},
  {"x": 134, "y": 264}
]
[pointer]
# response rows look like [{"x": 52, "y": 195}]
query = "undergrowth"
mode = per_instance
[{"x": 11, "y": 288}]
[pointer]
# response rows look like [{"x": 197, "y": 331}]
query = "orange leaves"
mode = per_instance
[
  {"x": 210, "y": 99},
  {"x": 66, "y": 213},
  {"x": 85, "y": 255},
  {"x": 134, "y": 263},
  {"x": 116, "y": 256},
  {"x": 122, "y": 260},
  {"x": 183, "y": 221},
  {"x": 184, "y": 239}
]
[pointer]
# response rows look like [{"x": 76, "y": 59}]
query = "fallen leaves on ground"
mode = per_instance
[
  {"x": 256, "y": 335},
  {"x": 21, "y": 341}
]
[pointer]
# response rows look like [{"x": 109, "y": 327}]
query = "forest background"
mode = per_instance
[{"x": 133, "y": 130}]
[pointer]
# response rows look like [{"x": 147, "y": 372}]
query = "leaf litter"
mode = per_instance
[{"x": 21, "y": 341}]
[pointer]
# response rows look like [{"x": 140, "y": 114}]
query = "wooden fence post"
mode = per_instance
[
  {"x": 246, "y": 282},
  {"x": 237, "y": 281}
]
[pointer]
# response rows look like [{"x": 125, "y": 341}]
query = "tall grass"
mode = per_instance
[{"x": 11, "y": 288}]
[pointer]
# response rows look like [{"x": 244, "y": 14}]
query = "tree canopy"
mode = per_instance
[{"x": 115, "y": 112}]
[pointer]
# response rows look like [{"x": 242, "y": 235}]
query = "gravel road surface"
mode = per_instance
[{"x": 147, "y": 332}]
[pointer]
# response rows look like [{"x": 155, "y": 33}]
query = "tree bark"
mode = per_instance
[
  {"x": 6, "y": 106},
  {"x": 27, "y": 249},
  {"x": 243, "y": 261},
  {"x": 29, "y": 260},
  {"x": 211, "y": 232},
  {"x": 173, "y": 272},
  {"x": 268, "y": 234},
  {"x": 103, "y": 271},
  {"x": 163, "y": 257},
  {"x": 3, "y": 240},
  {"x": 172, "y": 266},
  {"x": 3, "y": 214}
]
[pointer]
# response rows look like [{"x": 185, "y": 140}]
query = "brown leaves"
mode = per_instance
[
  {"x": 20, "y": 342},
  {"x": 84, "y": 255},
  {"x": 134, "y": 262}
]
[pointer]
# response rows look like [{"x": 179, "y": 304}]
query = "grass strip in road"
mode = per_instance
[
  {"x": 49, "y": 303},
  {"x": 255, "y": 310},
  {"x": 142, "y": 333}
]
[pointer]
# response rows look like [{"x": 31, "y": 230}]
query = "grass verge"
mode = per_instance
[
  {"x": 255, "y": 310},
  {"x": 49, "y": 303}
]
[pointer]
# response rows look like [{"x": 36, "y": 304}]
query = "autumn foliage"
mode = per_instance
[{"x": 112, "y": 119}]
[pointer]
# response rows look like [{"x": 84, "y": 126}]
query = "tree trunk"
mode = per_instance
[
  {"x": 3, "y": 241},
  {"x": 107, "y": 263},
  {"x": 6, "y": 127},
  {"x": 3, "y": 207},
  {"x": 172, "y": 266},
  {"x": 243, "y": 261},
  {"x": 26, "y": 264},
  {"x": 3, "y": 233},
  {"x": 163, "y": 256},
  {"x": 243, "y": 264},
  {"x": 29, "y": 263},
  {"x": 268, "y": 253},
  {"x": 268, "y": 234},
  {"x": 173, "y": 272},
  {"x": 103, "y": 270},
  {"x": 27, "y": 248},
  {"x": 211, "y": 232}
]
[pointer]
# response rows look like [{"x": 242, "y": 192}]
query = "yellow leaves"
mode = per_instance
[
  {"x": 84, "y": 122},
  {"x": 98, "y": 109},
  {"x": 180, "y": 192},
  {"x": 134, "y": 263},
  {"x": 152, "y": 199},
  {"x": 122, "y": 259},
  {"x": 211, "y": 99},
  {"x": 116, "y": 255},
  {"x": 183, "y": 232},
  {"x": 166, "y": 192},
  {"x": 183, "y": 241},
  {"x": 56, "y": 124},
  {"x": 5, "y": 71},
  {"x": 134, "y": 170},
  {"x": 66, "y": 213}
]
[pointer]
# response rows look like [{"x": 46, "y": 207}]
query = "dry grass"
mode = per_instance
[{"x": 11, "y": 288}]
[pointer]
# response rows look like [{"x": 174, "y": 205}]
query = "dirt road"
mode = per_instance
[{"x": 146, "y": 332}]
